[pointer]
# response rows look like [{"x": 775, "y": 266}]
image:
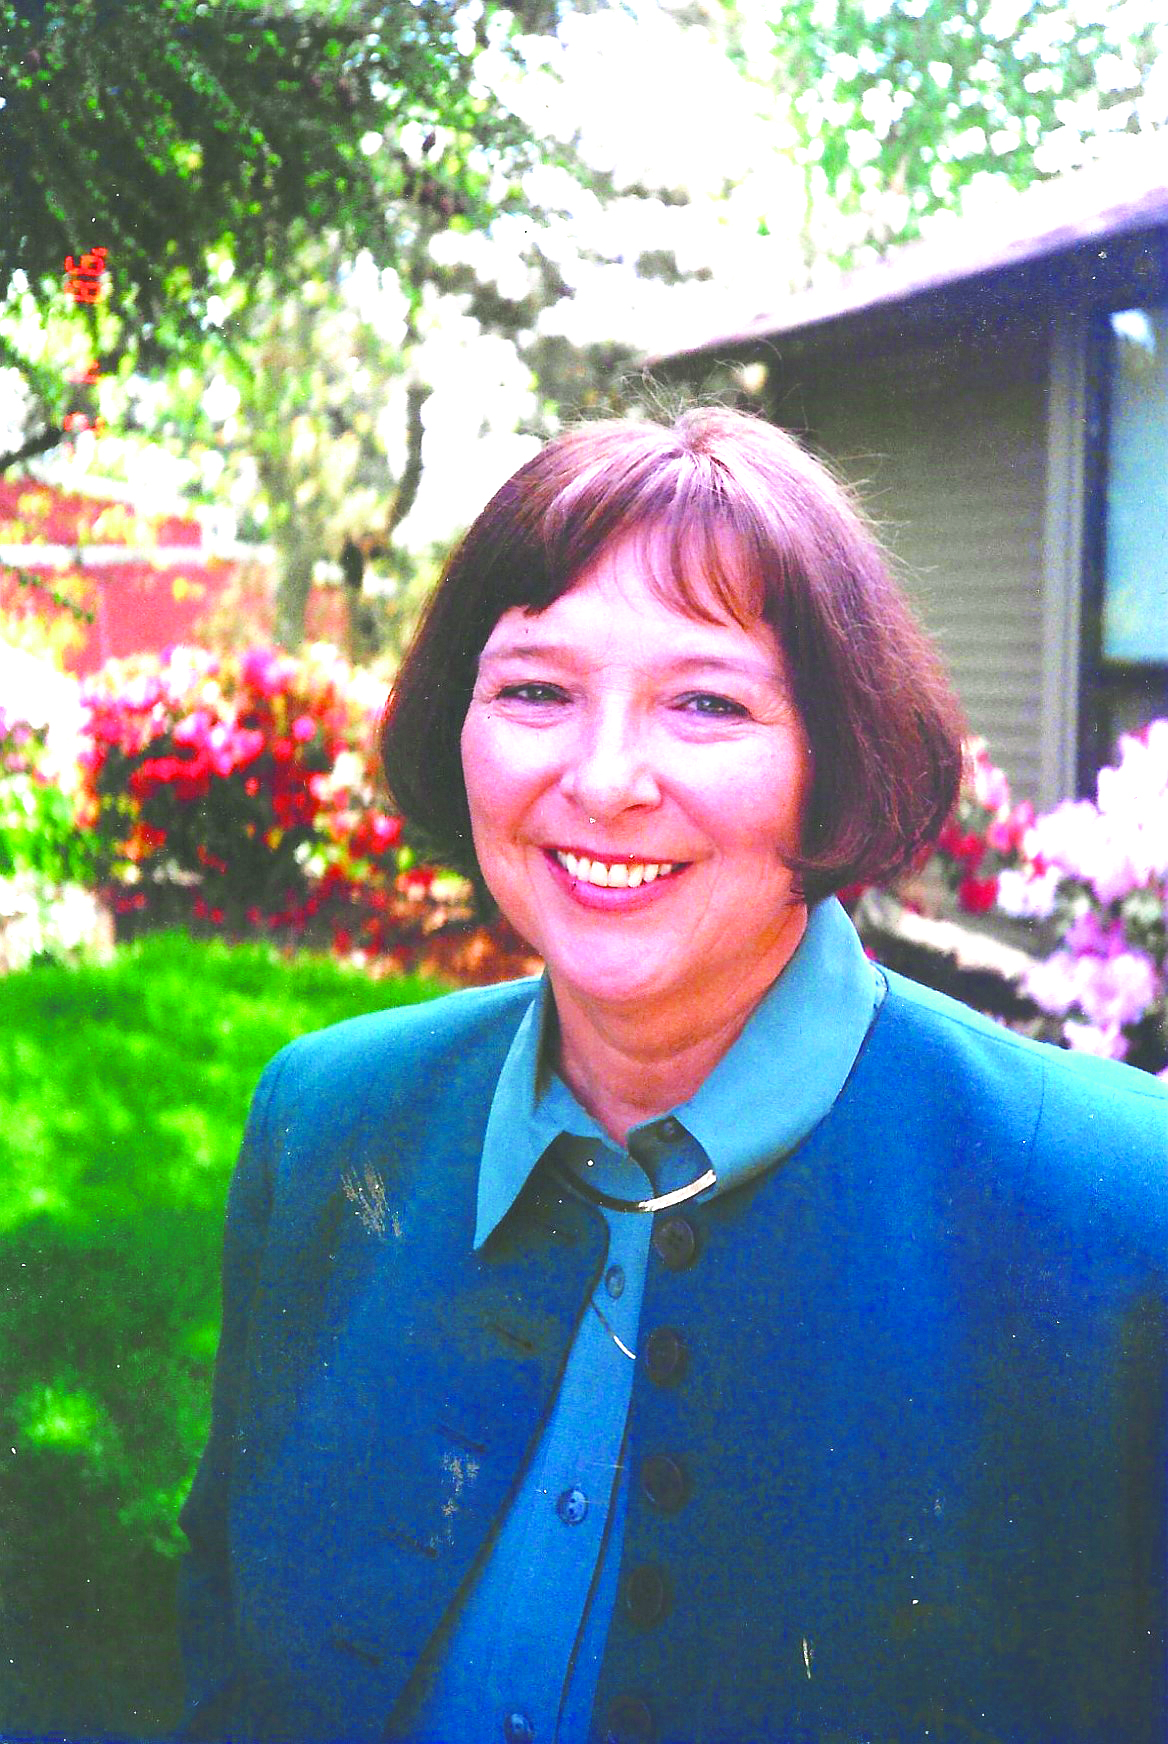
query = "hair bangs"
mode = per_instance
[{"x": 702, "y": 547}]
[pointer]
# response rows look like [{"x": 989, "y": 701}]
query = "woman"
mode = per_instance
[{"x": 719, "y": 1339}]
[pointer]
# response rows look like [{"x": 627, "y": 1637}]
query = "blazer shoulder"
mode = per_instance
[
  {"x": 1097, "y": 1126},
  {"x": 393, "y": 1051}
]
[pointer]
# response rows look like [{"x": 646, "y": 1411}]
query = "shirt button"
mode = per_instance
[
  {"x": 645, "y": 1596},
  {"x": 664, "y": 1483},
  {"x": 614, "y": 1281},
  {"x": 572, "y": 1506},
  {"x": 517, "y": 1728},
  {"x": 628, "y": 1721},
  {"x": 676, "y": 1242},
  {"x": 666, "y": 1356}
]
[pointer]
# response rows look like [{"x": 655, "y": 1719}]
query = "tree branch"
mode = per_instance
[
  {"x": 411, "y": 478},
  {"x": 39, "y": 444}
]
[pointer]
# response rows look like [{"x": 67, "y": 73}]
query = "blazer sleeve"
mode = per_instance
[{"x": 206, "y": 1606}]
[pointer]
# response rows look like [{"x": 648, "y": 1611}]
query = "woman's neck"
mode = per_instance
[{"x": 627, "y": 1064}]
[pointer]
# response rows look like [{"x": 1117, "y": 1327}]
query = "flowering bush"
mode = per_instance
[
  {"x": 233, "y": 790},
  {"x": 1097, "y": 873},
  {"x": 1108, "y": 981},
  {"x": 981, "y": 844},
  {"x": 237, "y": 793}
]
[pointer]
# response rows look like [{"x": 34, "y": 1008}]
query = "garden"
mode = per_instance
[{"x": 195, "y": 867}]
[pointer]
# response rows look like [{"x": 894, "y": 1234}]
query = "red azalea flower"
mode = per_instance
[
  {"x": 384, "y": 831},
  {"x": 977, "y": 895}
]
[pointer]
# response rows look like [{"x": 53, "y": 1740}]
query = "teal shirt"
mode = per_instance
[{"x": 522, "y": 1658}]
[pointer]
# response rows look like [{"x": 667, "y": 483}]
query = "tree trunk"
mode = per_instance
[{"x": 292, "y": 592}]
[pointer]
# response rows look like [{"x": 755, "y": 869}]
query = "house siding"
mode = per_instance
[{"x": 946, "y": 441}]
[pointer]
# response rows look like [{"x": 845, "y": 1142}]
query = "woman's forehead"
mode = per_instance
[
  {"x": 699, "y": 571},
  {"x": 627, "y": 604}
]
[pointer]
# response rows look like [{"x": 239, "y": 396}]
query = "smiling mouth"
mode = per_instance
[{"x": 616, "y": 874}]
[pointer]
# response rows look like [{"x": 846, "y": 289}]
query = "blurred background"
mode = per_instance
[{"x": 286, "y": 291}]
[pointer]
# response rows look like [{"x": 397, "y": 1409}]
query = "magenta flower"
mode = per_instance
[{"x": 267, "y": 672}]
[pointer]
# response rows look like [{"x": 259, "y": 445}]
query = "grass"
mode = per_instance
[{"x": 123, "y": 1090}]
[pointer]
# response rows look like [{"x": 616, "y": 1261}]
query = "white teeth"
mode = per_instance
[{"x": 617, "y": 875}]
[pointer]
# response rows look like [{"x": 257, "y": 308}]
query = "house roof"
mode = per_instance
[{"x": 1123, "y": 195}]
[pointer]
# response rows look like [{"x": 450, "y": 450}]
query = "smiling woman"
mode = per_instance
[
  {"x": 750, "y": 1344},
  {"x": 609, "y": 781}
]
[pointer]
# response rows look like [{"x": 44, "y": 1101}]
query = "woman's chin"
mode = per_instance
[{"x": 616, "y": 979}]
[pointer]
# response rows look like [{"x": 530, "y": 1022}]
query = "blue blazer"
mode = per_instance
[{"x": 915, "y": 1377}]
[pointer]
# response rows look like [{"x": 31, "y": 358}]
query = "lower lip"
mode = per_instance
[{"x": 616, "y": 901}]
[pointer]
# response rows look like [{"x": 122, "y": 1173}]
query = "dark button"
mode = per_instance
[
  {"x": 517, "y": 1728},
  {"x": 664, "y": 1483},
  {"x": 676, "y": 1242},
  {"x": 628, "y": 1721},
  {"x": 614, "y": 1281},
  {"x": 645, "y": 1596},
  {"x": 666, "y": 1356},
  {"x": 572, "y": 1506}
]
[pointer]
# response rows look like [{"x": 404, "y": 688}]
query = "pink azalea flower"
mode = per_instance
[
  {"x": 1087, "y": 936},
  {"x": 1085, "y": 1038},
  {"x": 1115, "y": 871},
  {"x": 1066, "y": 837},
  {"x": 1117, "y": 990},
  {"x": 1053, "y": 985},
  {"x": 266, "y": 671}
]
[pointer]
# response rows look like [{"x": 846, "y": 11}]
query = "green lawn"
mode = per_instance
[{"x": 123, "y": 1091}]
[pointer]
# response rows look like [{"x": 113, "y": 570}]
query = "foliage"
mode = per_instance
[
  {"x": 38, "y": 830},
  {"x": 178, "y": 134},
  {"x": 315, "y": 418},
  {"x": 123, "y": 1090},
  {"x": 1108, "y": 858},
  {"x": 45, "y": 860},
  {"x": 894, "y": 108}
]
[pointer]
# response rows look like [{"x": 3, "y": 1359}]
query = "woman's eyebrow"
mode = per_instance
[{"x": 757, "y": 669}]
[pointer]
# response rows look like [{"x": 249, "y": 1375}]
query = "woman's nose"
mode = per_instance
[{"x": 609, "y": 769}]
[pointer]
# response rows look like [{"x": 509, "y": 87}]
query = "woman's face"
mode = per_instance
[{"x": 636, "y": 777}]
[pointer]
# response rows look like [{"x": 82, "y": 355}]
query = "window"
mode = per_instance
[{"x": 1127, "y": 633}]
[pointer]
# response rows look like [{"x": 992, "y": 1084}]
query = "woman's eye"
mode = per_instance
[
  {"x": 532, "y": 691},
  {"x": 706, "y": 703}
]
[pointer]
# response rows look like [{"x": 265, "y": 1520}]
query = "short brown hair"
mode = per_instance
[{"x": 884, "y": 726}]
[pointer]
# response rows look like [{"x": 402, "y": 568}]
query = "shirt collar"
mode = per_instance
[{"x": 763, "y": 1097}]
